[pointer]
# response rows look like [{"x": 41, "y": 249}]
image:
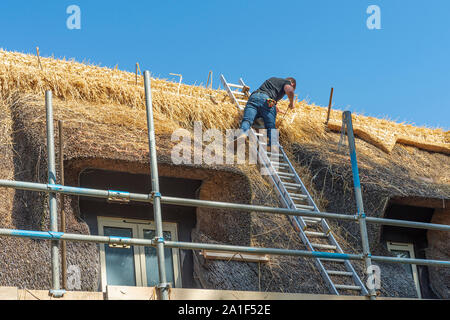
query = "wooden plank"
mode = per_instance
[
  {"x": 235, "y": 256},
  {"x": 204, "y": 294},
  {"x": 149, "y": 293},
  {"x": 8, "y": 293},
  {"x": 196, "y": 294},
  {"x": 130, "y": 293},
  {"x": 25, "y": 294}
]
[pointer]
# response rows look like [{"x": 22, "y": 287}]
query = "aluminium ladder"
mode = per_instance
[{"x": 314, "y": 232}]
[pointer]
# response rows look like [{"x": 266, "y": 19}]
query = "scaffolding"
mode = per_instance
[{"x": 156, "y": 199}]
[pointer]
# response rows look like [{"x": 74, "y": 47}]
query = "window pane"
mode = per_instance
[
  {"x": 120, "y": 269},
  {"x": 404, "y": 254},
  {"x": 151, "y": 261}
]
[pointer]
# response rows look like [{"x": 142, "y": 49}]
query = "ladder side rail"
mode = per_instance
[
  {"x": 228, "y": 89},
  {"x": 347, "y": 263},
  {"x": 297, "y": 178},
  {"x": 326, "y": 227},
  {"x": 320, "y": 267},
  {"x": 275, "y": 177},
  {"x": 267, "y": 165},
  {"x": 298, "y": 220},
  {"x": 280, "y": 188},
  {"x": 356, "y": 278}
]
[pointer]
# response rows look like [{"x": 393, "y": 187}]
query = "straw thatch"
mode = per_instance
[
  {"x": 385, "y": 138},
  {"x": 104, "y": 118}
]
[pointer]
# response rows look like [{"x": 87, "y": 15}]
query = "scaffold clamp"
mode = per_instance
[
  {"x": 118, "y": 196},
  {"x": 164, "y": 286},
  {"x": 155, "y": 194},
  {"x": 158, "y": 240},
  {"x": 57, "y": 293}
]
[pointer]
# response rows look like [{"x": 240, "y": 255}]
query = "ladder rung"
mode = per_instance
[
  {"x": 347, "y": 287},
  {"x": 286, "y": 170},
  {"x": 240, "y": 100},
  {"x": 285, "y": 174},
  {"x": 339, "y": 273},
  {"x": 281, "y": 164},
  {"x": 297, "y": 195},
  {"x": 332, "y": 260},
  {"x": 276, "y": 161},
  {"x": 235, "y": 85},
  {"x": 316, "y": 234},
  {"x": 293, "y": 185},
  {"x": 298, "y": 199},
  {"x": 323, "y": 246},
  {"x": 238, "y": 92},
  {"x": 301, "y": 206},
  {"x": 311, "y": 221}
]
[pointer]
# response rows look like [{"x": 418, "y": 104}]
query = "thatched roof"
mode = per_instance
[{"x": 104, "y": 118}]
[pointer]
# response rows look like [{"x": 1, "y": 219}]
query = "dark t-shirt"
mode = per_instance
[{"x": 274, "y": 88}]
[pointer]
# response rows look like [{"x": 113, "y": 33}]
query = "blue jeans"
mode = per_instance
[{"x": 257, "y": 107}]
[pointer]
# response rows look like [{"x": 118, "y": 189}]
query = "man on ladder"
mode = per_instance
[{"x": 262, "y": 104}]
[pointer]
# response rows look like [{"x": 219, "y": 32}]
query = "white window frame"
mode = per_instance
[
  {"x": 408, "y": 247},
  {"x": 172, "y": 228},
  {"x": 137, "y": 227}
]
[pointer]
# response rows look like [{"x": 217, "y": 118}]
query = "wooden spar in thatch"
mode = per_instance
[
  {"x": 209, "y": 78},
  {"x": 329, "y": 106},
  {"x": 138, "y": 69},
  {"x": 39, "y": 58}
]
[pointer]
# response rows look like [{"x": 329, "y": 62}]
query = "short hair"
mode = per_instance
[{"x": 293, "y": 81}]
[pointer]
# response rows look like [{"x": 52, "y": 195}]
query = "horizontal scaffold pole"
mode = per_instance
[
  {"x": 49, "y": 235},
  {"x": 105, "y": 194}
]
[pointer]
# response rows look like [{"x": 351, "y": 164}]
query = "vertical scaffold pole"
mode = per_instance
[
  {"x": 347, "y": 121},
  {"x": 53, "y": 206},
  {"x": 163, "y": 285},
  {"x": 61, "y": 198}
]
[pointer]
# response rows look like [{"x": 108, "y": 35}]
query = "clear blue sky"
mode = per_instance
[{"x": 401, "y": 71}]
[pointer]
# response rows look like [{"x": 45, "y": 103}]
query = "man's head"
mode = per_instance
[{"x": 293, "y": 82}]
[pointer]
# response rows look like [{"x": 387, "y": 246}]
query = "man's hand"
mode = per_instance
[
  {"x": 290, "y": 93},
  {"x": 291, "y": 105},
  {"x": 279, "y": 111}
]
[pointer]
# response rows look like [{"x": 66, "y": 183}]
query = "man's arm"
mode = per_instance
[{"x": 290, "y": 93}]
